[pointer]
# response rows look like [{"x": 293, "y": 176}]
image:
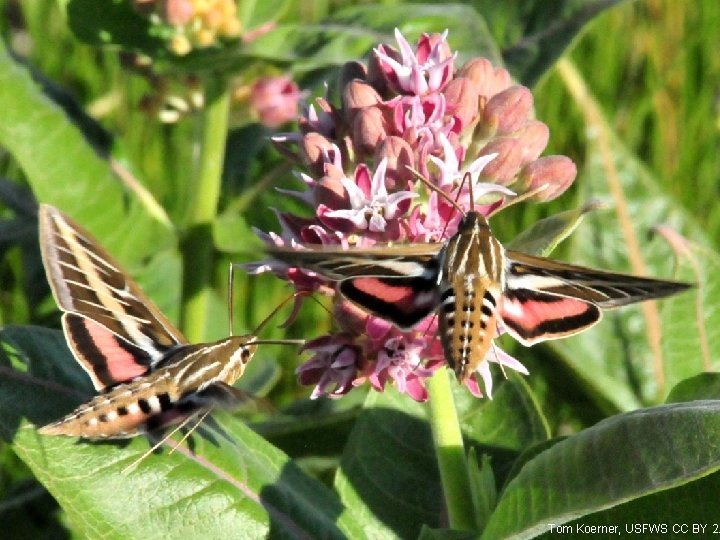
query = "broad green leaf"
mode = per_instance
[
  {"x": 613, "y": 360},
  {"x": 691, "y": 340},
  {"x": 534, "y": 34},
  {"x": 700, "y": 387},
  {"x": 482, "y": 486},
  {"x": 545, "y": 234},
  {"x": 320, "y": 434},
  {"x": 65, "y": 170},
  {"x": 162, "y": 278},
  {"x": 111, "y": 22},
  {"x": 618, "y": 460},
  {"x": 445, "y": 534},
  {"x": 511, "y": 421},
  {"x": 226, "y": 478},
  {"x": 353, "y": 32},
  {"x": 388, "y": 473},
  {"x": 232, "y": 234},
  {"x": 688, "y": 511}
]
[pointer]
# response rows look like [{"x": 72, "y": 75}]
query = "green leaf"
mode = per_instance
[
  {"x": 162, "y": 281},
  {"x": 230, "y": 478},
  {"x": 545, "y": 234},
  {"x": 534, "y": 34},
  {"x": 691, "y": 342},
  {"x": 445, "y": 534},
  {"x": 700, "y": 387},
  {"x": 353, "y": 32},
  {"x": 112, "y": 22},
  {"x": 688, "y": 511},
  {"x": 613, "y": 361},
  {"x": 323, "y": 434},
  {"x": 619, "y": 459},
  {"x": 232, "y": 234},
  {"x": 64, "y": 169},
  {"x": 388, "y": 473},
  {"x": 482, "y": 486},
  {"x": 511, "y": 421}
]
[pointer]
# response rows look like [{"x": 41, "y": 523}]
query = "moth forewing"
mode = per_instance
[
  {"x": 390, "y": 261},
  {"x": 606, "y": 290},
  {"x": 88, "y": 281}
]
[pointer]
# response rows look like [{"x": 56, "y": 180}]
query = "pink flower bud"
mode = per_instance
[
  {"x": 399, "y": 157},
  {"x": 313, "y": 148},
  {"x": 533, "y": 137},
  {"x": 275, "y": 100},
  {"x": 352, "y": 70},
  {"x": 461, "y": 100},
  {"x": 425, "y": 48},
  {"x": 368, "y": 129},
  {"x": 178, "y": 12},
  {"x": 557, "y": 173},
  {"x": 330, "y": 192},
  {"x": 508, "y": 110},
  {"x": 487, "y": 79},
  {"x": 506, "y": 165},
  {"x": 376, "y": 74},
  {"x": 501, "y": 81},
  {"x": 481, "y": 72},
  {"x": 379, "y": 76},
  {"x": 357, "y": 95}
]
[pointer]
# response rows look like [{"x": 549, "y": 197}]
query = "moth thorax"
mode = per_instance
[{"x": 467, "y": 323}]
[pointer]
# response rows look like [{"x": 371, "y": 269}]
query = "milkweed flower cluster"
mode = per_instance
[
  {"x": 409, "y": 113},
  {"x": 192, "y": 24}
]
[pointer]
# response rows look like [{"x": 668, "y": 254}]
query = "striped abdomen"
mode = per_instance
[
  {"x": 473, "y": 279},
  {"x": 184, "y": 384}
]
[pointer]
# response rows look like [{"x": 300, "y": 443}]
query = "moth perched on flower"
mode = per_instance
[{"x": 418, "y": 257}]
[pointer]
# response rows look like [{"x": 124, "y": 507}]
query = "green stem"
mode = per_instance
[
  {"x": 450, "y": 452},
  {"x": 197, "y": 245}
]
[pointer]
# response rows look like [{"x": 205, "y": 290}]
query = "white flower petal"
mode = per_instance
[
  {"x": 357, "y": 217},
  {"x": 484, "y": 371},
  {"x": 355, "y": 194},
  {"x": 377, "y": 223},
  {"x": 377, "y": 185},
  {"x": 501, "y": 357}
]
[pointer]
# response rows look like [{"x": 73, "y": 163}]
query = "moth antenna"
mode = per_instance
[
  {"x": 154, "y": 447},
  {"x": 440, "y": 192},
  {"x": 497, "y": 360},
  {"x": 319, "y": 303},
  {"x": 190, "y": 431},
  {"x": 278, "y": 342},
  {"x": 468, "y": 177},
  {"x": 231, "y": 311},
  {"x": 519, "y": 198}
]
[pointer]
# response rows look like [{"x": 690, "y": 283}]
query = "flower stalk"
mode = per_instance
[
  {"x": 450, "y": 452},
  {"x": 197, "y": 246}
]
